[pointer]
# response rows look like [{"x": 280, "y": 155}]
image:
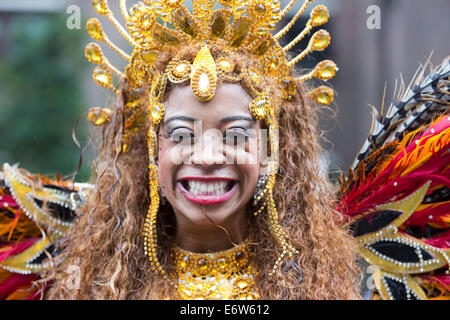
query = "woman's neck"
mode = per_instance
[{"x": 211, "y": 238}]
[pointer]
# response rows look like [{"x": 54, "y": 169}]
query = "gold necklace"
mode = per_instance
[{"x": 220, "y": 275}]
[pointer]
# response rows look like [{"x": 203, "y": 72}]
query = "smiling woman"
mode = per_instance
[
  {"x": 207, "y": 183},
  {"x": 216, "y": 236},
  {"x": 209, "y": 175}
]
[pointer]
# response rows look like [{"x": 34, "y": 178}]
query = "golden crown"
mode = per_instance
[{"x": 154, "y": 27}]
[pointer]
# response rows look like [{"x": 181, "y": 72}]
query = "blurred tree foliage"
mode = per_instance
[{"x": 41, "y": 94}]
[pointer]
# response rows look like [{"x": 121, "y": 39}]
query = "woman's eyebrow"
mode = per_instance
[
  {"x": 184, "y": 118},
  {"x": 235, "y": 118}
]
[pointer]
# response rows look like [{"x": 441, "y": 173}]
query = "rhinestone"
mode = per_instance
[{"x": 203, "y": 82}]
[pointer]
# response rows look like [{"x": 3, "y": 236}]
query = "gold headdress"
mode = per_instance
[{"x": 155, "y": 27}]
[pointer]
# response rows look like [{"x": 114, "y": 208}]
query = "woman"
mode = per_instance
[
  {"x": 209, "y": 193},
  {"x": 212, "y": 152}
]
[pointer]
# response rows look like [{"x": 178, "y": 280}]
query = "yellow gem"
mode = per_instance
[
  {"x": 203, "y": 83},
  {"x": 103, "y": 77},
  {"x": 225, "y": 66},
  {"x": 222, "y": 263},
  {"x": 202, "y": 264},
  {"x": 320, "y": 40},
  {"x": 157, "y": 111},
  {"x": 264, "y": 46},
  {"x": 186, "y": 292},
  {"x": 174, "y": 3},
  {"x": 99, "y": 116},
  {"x": 93, "y": 53},
  {"x": 319, "y": 16},
  {"x": 94, "y": 29},
  {"x": 180, "y": 70},
  {"x": 204, "y": 75},
  {"x": 240, "y": 10},
  {"x": 134, "y": 98},
  {"x": 325, "y": 70},
  {"x": 226, "y": 3},
  {"x": 242, "y": 284},
  {"x": 258, "y": 108},
  {"x": 219, "y": 24},
  {"x": 149, "y": 56},
  {"x": 166, "y": 36},
  {"x": 101, "y": 6},
  {"x": 182, "y": 21},
  {"x": 323, "y": 95},
  {"x": 240, "y": 31}
]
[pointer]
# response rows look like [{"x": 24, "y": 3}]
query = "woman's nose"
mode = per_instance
[{"x": 209, "y": 150}]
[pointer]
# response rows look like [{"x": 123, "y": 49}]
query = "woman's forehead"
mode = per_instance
[{"x": 230, "y": 99}]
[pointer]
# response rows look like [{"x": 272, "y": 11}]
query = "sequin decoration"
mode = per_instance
[
  {"x": 204, "y": 75},
  {"x": 219, "y": 275}
]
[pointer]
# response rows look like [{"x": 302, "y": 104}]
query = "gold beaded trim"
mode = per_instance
[{"x": 220, "y": 275}]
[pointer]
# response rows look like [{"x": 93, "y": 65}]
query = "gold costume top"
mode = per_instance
[{"x": 225, "y": 274}]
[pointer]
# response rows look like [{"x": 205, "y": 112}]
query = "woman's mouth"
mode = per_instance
[{"x": 207, "y": 190}]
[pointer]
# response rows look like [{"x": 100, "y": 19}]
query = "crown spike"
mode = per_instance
[
  {"x": 319, "y": 16},
  {"x": 95, "y": 30},
  {"x": 99, "y": 116},
  {"x": 203, "y": 11},
  {"x": 101, "y": 6},
  {"x": 287, "y": 8},
  {"x": 283, "y": 31},
  {"x": 324, "y": 70},
  {"x": 298, "y": 38},
  {"x": 102, "y": 76},
  {"x": 95, "y": 55},
  {"x": 319, "y": 42},
  {"x": 121, "y": 29},
  {"x": 323, "y": 95},
  {"x": 124, "y": 10}
]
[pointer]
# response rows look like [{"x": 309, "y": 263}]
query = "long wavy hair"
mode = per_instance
[{"x": 106, "y": 243}]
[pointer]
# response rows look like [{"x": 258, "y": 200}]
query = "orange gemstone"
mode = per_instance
[
  {"x": 320, "y": 40},
  {"x": 102, "y": 77},
  {"x": 319, "y": 16},
  {"x": 325, "y": 70},
  {"x": 94, "y": 29},
  {"x": 94, "y": 53}
]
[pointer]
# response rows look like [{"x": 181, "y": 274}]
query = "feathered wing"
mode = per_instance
[
  {"x": 35, "y": 214},
  {"x": 396, "y": 196}
]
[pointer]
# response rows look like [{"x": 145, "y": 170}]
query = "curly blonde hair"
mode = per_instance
[{"x": 107, "y": 245}]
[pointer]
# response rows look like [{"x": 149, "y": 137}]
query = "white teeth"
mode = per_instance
[{"x": 207, "y": 188}]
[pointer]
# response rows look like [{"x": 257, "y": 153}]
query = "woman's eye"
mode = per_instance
[
  {"x": 182, "y": 135},
  {"x": 235, "y": 137}
]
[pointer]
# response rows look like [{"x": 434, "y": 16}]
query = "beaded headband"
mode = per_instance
[{"x": 158, "y": 28}]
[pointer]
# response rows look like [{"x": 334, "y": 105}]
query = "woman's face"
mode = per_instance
[{"x": 208, "y": 156}]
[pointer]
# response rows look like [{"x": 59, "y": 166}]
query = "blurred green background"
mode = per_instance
[{"x": 41, "y": 94}]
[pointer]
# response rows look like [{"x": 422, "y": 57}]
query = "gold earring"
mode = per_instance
[{"x": 150, "y": 223}]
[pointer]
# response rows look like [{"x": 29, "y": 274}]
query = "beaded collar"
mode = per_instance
[{"x": 220, "y": 275}]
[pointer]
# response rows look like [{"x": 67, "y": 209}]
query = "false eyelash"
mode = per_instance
[{"x": 166, "y": 134}]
